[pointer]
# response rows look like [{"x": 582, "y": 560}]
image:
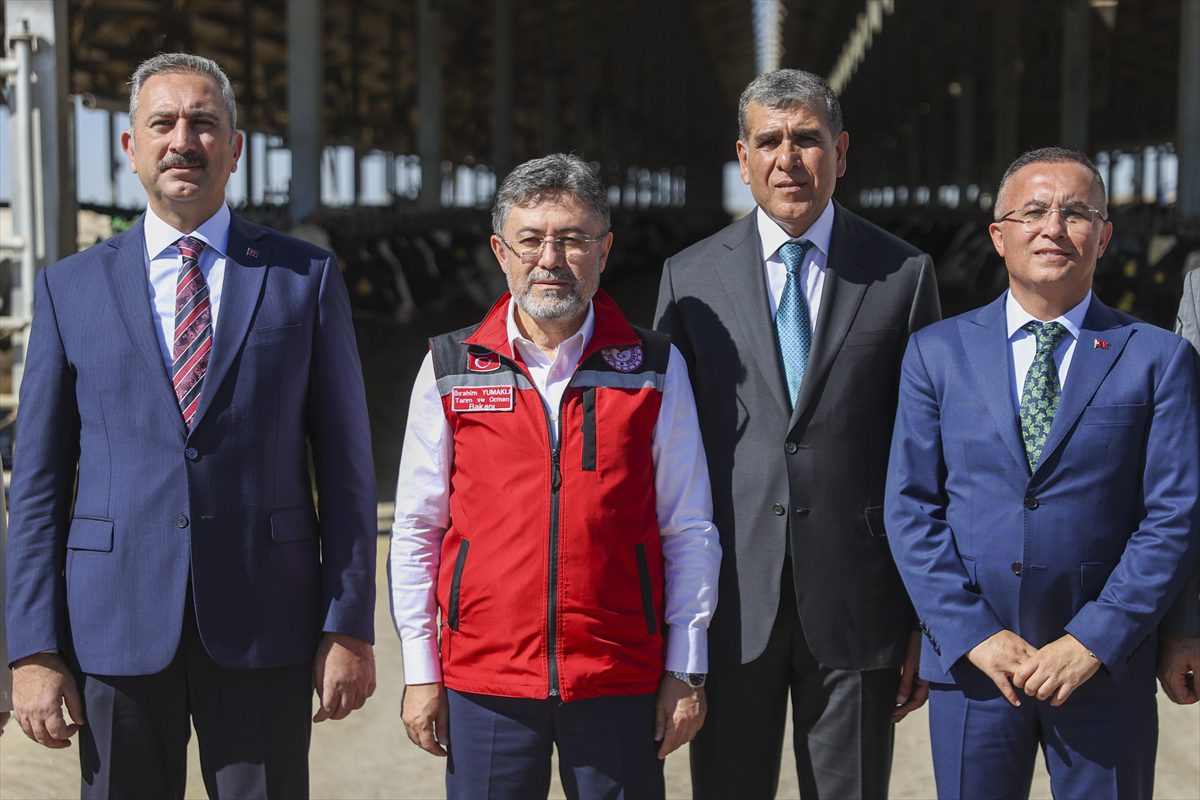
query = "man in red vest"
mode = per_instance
[{"x": 553, "y": 506}]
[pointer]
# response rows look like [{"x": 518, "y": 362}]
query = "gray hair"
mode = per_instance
[
  {"x": 174, "y": 63},
  {"x": 549, "y": 176},
  {"x": 1053, "y": 155},
  {"x": 785, "y": 88}
]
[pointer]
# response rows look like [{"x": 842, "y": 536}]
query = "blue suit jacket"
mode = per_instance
[
  {"x": 1101, "y": 533},
  {"x": 115, "y": 503}
]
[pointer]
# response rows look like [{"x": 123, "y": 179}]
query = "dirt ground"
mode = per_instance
[{"x": 368, "y": 755}]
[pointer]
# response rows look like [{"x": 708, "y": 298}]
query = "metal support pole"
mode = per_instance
[
  {"x": 305, "y": 82},
  {"x": 429, "y": 103},
  {"x": 1187, "y": 140}
]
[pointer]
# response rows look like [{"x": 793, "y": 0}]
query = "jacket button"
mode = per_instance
[
  {"x": 1016, "y": 568},
  {"x": 779, "y": 510},
  {"x": 791, "y": 448},
  {"x": 192, "y": 454},
  {"x": 182, "y": 520},
  {"x": 1031, "y": 502}
]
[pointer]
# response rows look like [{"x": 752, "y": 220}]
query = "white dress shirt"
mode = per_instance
[
  {"x": 163, "y": 256},
  {"x": 812, "y": 273},
  {"x": 1023, "y": 345},
  {"x": 691, "y": 549}
]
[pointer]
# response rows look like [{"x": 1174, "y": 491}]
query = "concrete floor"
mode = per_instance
[{"x": 369, "y": 756}]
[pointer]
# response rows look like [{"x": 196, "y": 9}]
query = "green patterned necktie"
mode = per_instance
[{"x": 1039, "y": 397}]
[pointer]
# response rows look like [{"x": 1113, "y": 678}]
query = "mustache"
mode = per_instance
[
  {"x": 539, "y": 274},
  {"x": 176, "y": 160}
]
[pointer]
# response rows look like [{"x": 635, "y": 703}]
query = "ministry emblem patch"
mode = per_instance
[{"x": 623, "y": 359}]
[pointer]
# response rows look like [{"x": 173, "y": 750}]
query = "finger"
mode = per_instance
[
  {"x": 919, "y": 695},
  {"x": 1022, "y": 674},
  {"x": 74, "y": 703},
  {"x": 442, "y": 722},
  {"x": 58, "y": 728},
  {"x": 26, "y": 725},
  {"x": 1064, "y": 691},
  {"x": 905, "y": 689},
  {"x": 670, "y": 740},
  {"x": 321, "y": 714},
  {"x": 1006, "y": 689},
  {"x": 660, "y": 722},
  {"x": 428, "y": 742}
]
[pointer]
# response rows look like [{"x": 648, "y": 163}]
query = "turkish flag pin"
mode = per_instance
[
  {"x": 1100, "y": 343},
  {"x": 250, "y": 251}
]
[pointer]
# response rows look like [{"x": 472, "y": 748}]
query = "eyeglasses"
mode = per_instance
[
  {"x": 1074, "y": 217},
  {"x": 529, "y": 249}
]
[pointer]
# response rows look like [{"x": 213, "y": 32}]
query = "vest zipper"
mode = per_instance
[{"x": 552, "y": 605}]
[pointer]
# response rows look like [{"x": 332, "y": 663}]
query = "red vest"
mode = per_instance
[{"x": 551, "y": 577}]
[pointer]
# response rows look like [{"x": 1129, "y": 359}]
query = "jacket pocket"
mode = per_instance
[
  {"x": 293, "y": 524},
  {"x": 263, "y": 336},
  {"x": 91, "y": 533},
  {"x": 1113, "y": 415},
  {"x": 647, "y": 590},
  {"x": 456, "y": 583},
  {"x": 1092, "y": 577},
  {"x": 589, "y": 429}
]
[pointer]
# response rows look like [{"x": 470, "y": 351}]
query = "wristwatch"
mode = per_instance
[{"x": 692, "y": 679}]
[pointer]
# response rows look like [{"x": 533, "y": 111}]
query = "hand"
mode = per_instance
[
  {"x": 41, "y": 684},
  {"x": 1177, "y": 657},
  {"x": 426, "y": 716},
  {"x": 998, "y": 657},
  {"x": 913, "y": 690},
  {"x": 343, "y": 675},
  {"x": 1057, "y": 669},
  {"x": 678, "y": 715}
]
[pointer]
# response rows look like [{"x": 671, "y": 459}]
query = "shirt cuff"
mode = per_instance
[
  {"x": 687, "y": 650},
  {"x": 421, "y": 662}
]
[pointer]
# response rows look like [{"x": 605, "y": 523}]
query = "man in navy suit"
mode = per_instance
[
  {"x": 1042, "y": 506},
  {"x": 167, "y": 566}
]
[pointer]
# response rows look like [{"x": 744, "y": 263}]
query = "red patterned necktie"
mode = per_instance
[{"x": 193, "y": 329}]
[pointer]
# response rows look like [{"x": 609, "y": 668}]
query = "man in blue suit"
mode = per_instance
[
  {"x": 167, "y": 566},
  {"x": 1042, "y": 506}
]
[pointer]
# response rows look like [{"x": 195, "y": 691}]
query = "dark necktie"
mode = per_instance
[
  {"x": 1039, "y": 397},
  {"x": 792, "y": 322},
  {"x": 193, "y": 329}
]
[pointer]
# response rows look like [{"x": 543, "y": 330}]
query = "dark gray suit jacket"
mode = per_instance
[
  {"x": 819, "y": 469},
  {"x": 1184, "y": 617}
]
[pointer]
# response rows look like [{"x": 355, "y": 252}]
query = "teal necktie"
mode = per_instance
[
  {"x": 792, "y": 323},
  {"x": 1039, "y": 397}
]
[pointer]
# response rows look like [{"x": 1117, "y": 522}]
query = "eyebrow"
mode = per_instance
[
  {"x": 538, "y": 232},
  {"x": 796, "y": 133}
]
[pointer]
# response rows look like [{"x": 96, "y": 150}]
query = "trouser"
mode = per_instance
[
  {"x": 252, "y": 725},
  {"x": 500, "y": 747},
  {"x": 841, "y": 719},
  {"x": 1095, "y": 747}
]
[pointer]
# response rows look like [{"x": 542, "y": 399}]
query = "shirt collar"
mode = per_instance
[
  {"x": 160, "y": 236},
  {"x": 579, "y": 339},
  {"x": 1072, "y": 320},
  {"x": 818, "y": 234}
]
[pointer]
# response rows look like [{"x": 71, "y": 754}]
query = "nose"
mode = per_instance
[
  {"x": 550, "y": 254},
  {"x": 182, "y": 137},
  {"x": 786, "y": 158},
  {"x": 1053, "y": 224}
]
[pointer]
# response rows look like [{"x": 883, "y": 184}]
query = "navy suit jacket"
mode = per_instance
[
  {"x": 116, "y": 504},
  {"x": 1096, "y": 541}
]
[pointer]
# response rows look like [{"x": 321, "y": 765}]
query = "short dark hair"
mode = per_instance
[
  {"x": 785, "y": 88},
  {"x": 552, "y": 175},
  {"x": 1052, "y": 155}
]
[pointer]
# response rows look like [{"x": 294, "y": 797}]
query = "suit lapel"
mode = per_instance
[
  {"x": 129, "y": 279},
  {"x": 744, "y": 282},
  {"x": 1089, "y": 364},
  {"x": 985, "y": 340},
  {"x": 245, "y": 272},
  {"x": 848, "y": 271}
]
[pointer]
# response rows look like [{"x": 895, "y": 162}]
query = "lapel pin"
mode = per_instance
[
  {"x": 1100, "y": 343},
  {"x": 252, "y": 253}
]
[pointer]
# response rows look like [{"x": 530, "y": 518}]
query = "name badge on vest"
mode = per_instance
[{"x": 469, "y": 399}]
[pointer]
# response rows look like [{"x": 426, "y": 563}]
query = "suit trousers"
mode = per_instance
[
  {"x": 252, "y": 725},
  {"x": 841, "y": 719},
  {"x": 500, "y": 747},
  {"x": 1095, "y": 747}
]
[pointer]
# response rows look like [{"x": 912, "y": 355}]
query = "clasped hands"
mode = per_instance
[{"x": 1052, "y": 673}]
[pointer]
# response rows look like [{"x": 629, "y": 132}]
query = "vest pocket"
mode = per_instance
[
  {"x": 647, "y": 592},
  {"x": 455, "y": 582},
  {"x": 589, "y": 429}
]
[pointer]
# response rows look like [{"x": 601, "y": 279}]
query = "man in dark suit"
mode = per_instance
[
  {"x": 167, "y": 567},
  {"x": 1042, "y": 506},
  {"x": 1179, "y": 642},
  {"x": 793, "y": 322}
]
